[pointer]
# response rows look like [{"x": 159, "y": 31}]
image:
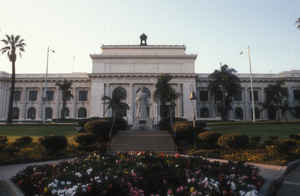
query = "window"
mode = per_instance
[
  {"x": 204, "y": 113},
  {"x": 17, "y": 95},
  {"x": 82, "y": 113},
  {"x": 32, "y": 95},
  {"x": 48, "y": 113},
  {"x": 297, "y": 112},
  {"x": 83, "y": 95},
  {"x": 68, "y": 97},
  {"x": 31, "y": 113},
  {"x": 255, "y": 95},
  {"x": 203, "y": 95},
  {"x": 297, "y": 95},
  {"x": 15, "y": 113},
  {"x": 238, "y": 113},
  {"x": 238, "y": 96},
  {"x": 65, "y": 112},
  {"x": 49, "y": 95},
  {"x": 257, "y": 113},
  {"x": 272, "y": 114}
]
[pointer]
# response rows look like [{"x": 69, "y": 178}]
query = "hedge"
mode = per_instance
[{"x": 233, "y": 141}]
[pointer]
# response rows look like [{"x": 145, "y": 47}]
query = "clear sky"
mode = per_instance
[{"x": 215, "y": 30}]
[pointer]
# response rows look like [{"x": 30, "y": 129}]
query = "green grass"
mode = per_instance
[
  {"x": 37, "y": 130},
  {"x": 263, "y": 130}
]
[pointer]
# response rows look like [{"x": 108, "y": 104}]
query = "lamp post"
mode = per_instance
[
  {"x": 192, "y": 97},
  {"x": 45, "y": 86}
]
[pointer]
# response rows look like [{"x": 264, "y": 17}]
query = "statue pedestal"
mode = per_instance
[{"x": 142, "y": 125}]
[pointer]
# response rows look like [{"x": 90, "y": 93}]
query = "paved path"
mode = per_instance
[{"x": 291, "y": 184}]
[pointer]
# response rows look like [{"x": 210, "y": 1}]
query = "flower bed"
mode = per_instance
[{"x": 139, "y": 174}]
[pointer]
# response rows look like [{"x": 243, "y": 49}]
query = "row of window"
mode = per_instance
[
  {"x": 33, "y": 95},
  {"x": 203, "y": 95},
  {"x": 31, "y": 113}
]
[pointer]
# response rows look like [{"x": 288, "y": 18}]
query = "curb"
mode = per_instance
[{"x": 271, "y": 187}]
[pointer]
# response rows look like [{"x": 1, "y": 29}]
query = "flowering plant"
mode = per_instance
[{"x": 138, "y": 174}]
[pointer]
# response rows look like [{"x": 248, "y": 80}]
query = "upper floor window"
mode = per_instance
[
  {"x": 49, "y": 95},
  {"x": 297, "y": 95},
  {"x": 238, "y": 96},
  {"x": 17, "y": 95},
  {"x": 203, "y": 95},
  {"x": 83, "y": 95},
  {"x": 33, "y": 95}
]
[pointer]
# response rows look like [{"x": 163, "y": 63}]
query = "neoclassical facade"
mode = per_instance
[{"x": 130, "y": 68}]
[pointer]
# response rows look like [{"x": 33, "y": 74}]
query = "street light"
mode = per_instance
[{"x": 45, "y": 85}]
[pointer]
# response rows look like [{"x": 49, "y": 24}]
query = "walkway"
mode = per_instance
[
  {"x": 291, "y": 184},
  {"x": 150, "y": 140}
]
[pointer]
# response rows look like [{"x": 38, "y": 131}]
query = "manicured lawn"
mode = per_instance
[
  {"x": 37, "y": 130},
  {"x": 263, "y": 130}
]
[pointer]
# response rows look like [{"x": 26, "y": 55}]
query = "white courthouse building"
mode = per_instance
[{"x": 130, "y": 68}]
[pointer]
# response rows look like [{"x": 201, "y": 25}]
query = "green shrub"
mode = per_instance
[
  {"x": 100, "y": 128},
  {"x": 85, "y": 140},
  {"x": 54, "y": 144},
  {"x": 177, "y": 119},
  {"x": 164, "y": 124},
  {"x": 286, "y": 145},
  {"x": 208, "y": 139},
  {"x": 255, "y": 141},
  {"x": 3, "y": 142},
  {"x": 120, "y": 124},
  {"x": 272, "y": 140},
  {"x": 295, "y": 137},
  {"x": 233, "y": 141},
  {"x": 23, "y": 141}
]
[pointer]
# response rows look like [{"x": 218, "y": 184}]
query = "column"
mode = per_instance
[
  {"x": 130, "y": 103},
  {"x": 188, "y": 105},
  {"x": 97, "y": 92}
]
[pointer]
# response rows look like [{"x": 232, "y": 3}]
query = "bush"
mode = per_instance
[
  {"x": 120, "y": 124},
  {"x": 208, "y": 139},
  {"x": 286, "y": 145},
  {"x": 100, "y": 128},
  {"x": 272, "y": 140},
  {"x": 164, "y": 124},
  {"x": 255, "y": 141},
  {"x": 23, "y": 141},
  {"x": 233, "y": 141},
  {"x": 54, "y": 144},
  {"x": 85, "y": 140},
  {"x": 295, "y": 137},
  {"x": 177, "y": 119},
  {"x": 3, "y": 142}
]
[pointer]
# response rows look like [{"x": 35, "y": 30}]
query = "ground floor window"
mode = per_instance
[
  {"x": 49, "y": 113},
  {"x": 238, "y": 113},
  {"x": 204, "y": 113},
  {"x": 65, "y": 112},
  {"x": 82, "y": 113},
  {"x": 15, "y": 113},
  {"x": 31, "y": 113}
]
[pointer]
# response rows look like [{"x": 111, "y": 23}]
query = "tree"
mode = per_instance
[
  {"x": 117, "y": 106},
  {"x": 224, "y": 84},
  {"x": 166, "y": 96},
  {"x": 65, "y": 88},
  {"x": 298, "y": 23},
  {"x": 13, "y": 45},
  {"x": 277, "y": 100}
]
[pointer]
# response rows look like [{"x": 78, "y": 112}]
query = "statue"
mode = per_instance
[{"x": 141, "y": 105}]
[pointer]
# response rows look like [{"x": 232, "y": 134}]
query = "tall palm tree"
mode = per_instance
[
  {"x": 65, "y": 88},
  {"x": 226, "y": 84},
  {"x": 298, "y": 23},
  {"x": 117, "y": 106},
  {"x": 13, "y": 45},
  {"x": 165, "y": 94}
]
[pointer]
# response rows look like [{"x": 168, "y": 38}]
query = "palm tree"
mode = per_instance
[
  {"x": 65, "y": 88},
  {"x": 13, "y": 44},
  {"x": 226, "y": 84},
  {"x": 165, "y": 94},
  {"x": 117, "y": 106},
  {"x": 298, "y": 23}
]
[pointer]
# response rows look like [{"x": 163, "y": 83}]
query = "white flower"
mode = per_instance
[
  {"x": 89, "y": 171},
  {"x": 233, "y": 186},
  {"x": 78, "y": 174},
  {"x": 62, "y": 182},
  {"x": 54, "y": 191}
]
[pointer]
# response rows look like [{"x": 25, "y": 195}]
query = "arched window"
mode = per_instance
[
  {"x": 48, "y": 113},
  {"x": 238, "y": 113},
  {"x": 272, "y": 114},
  {"x": 65, "y": 112},
  {"x": 204, "y": 113},
  {"x": 31, "y": 113},
  {"x": 82, "y": 113},
  {"x": 15, "y": 113}
]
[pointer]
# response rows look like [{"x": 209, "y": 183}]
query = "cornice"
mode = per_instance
[
  {"x": 108, "y": 56},
  {"x": 134, "y": 75},
  {"x": 143, "y": 47}
]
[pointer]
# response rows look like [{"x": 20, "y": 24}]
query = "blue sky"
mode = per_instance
[{"x": 215, "y": 30}]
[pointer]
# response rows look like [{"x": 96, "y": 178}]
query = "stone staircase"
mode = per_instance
[{"x": 143, "y": 140}]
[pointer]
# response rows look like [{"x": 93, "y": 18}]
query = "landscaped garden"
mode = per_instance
[{"x": 139, "y": 174}]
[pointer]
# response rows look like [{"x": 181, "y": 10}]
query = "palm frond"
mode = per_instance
[
  {"x": 8, "y": 38},
  {"x": 17, "y": 38},
  {"x": 5, "y": 41}
]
